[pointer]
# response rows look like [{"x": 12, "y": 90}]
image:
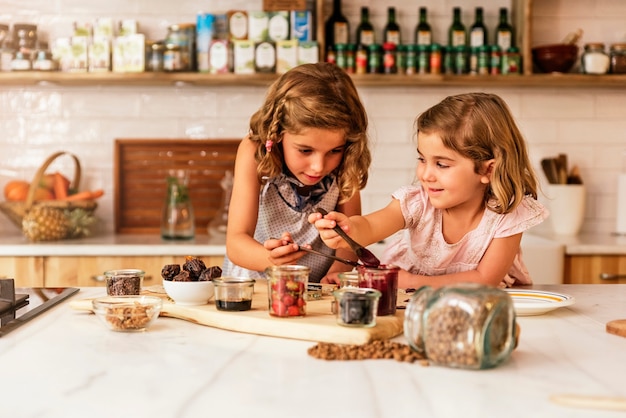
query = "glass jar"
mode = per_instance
[
  {"x": 467, "y": 326},
  {"x": 177, "y": 221},
  {"x": 618, "y": 59},
  {"x": 383, "y": 278},
  {"x": 124, "y": 281},
  {"x": 154, "y": 56},
  {"x": 595, "y": 60},
  {"x": 172, "y": 59},
  {"x": 356, "y": 307},
  {"x": 183, "y": 36},
  {"x": 286, "y": 290},
  {"x": 25, "y": 35},
  {"x": 218, "y": 225}
]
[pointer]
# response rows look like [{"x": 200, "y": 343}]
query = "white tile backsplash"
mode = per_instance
[{"x": 588, "y": 124}]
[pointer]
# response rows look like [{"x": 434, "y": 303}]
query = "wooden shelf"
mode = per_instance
[{"x": 43, "y": 79}]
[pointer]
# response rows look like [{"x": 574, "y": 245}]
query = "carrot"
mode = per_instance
[
  {"x": 84, "y": 195},
  {"x": 61, "y": 186}
]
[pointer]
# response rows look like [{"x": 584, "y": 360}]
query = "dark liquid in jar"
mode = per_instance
[
  {"x": 387, "y": 285},
  {"x": 234, "y": 305}
]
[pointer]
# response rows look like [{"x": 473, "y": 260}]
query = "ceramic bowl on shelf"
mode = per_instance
[
  {"x": 555, "y": 58},
  {"x": 189, "y": 293},
  {"x": 129, "y": 313}
]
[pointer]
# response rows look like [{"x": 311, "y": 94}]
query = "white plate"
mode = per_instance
[{"x": 537, "y": 302}]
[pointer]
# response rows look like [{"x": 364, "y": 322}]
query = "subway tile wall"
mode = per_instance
[{"x": 588, "y": 124}]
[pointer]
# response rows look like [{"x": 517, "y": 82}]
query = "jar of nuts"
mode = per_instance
[{"x": 467, "y": 326}]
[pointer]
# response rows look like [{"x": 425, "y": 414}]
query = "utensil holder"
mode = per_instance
[{"x": 567, "y": 207}]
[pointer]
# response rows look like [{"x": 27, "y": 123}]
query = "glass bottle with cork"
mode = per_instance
[
  {"x": 365, "y": 31},
  {"x": 456, "y": 33},
  {"x": 337, "y": 27},
  {"x": 478, "y": 31},
  {"x": 423, "y": 31},
  {"x": 504, "y": 32},
  {"x": 391, "y": 33}
]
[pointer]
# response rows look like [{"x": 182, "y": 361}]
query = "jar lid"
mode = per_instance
[
  {"x": 618, "y": 47},
  {"x": 594, "y": 45}
]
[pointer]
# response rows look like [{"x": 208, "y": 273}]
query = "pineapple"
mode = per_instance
[
  {"x": 43, "y": 223},
  {"x": 79, "y": 221}
]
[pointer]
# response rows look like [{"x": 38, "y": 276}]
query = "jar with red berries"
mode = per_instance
[{"x": 286, "y": 290}]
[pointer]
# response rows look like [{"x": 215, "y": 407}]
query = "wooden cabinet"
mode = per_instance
[
  {"x": 26, "y": 271},
  {"x": 595, "y": 269},
  {"x": 88, "y": 271}
]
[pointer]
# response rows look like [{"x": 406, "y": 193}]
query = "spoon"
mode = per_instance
[
  {"x": 343, "y": 260},
  {"x": 365, "y": 255}
]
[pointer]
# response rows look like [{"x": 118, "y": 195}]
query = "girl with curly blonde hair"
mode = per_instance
[{"x": 307, "y": 148}]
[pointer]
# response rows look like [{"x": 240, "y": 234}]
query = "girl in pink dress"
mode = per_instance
[{"x": 477, "y": 194}]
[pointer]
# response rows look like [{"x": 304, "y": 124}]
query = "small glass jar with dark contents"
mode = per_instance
[
  {"x": 124, "y": 281},
  {"x": 618, "y": 58}
]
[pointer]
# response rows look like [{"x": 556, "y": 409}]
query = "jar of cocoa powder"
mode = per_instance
[{"x": 468, "y": 326}]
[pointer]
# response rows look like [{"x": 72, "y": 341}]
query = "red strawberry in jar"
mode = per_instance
[{"x": 286, "y": 290}]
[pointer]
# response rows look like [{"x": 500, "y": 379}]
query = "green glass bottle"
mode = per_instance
[
  {"x": 456, "y": 33},
  {"x": 391, "y": 33},
  {"x": 337, "y": 27},
  {"x": 504, "y": 31},
  {"x": 478, "y": 31},
  {"x": 423, "y": 31},
  {"x": 365, "y": 31}
]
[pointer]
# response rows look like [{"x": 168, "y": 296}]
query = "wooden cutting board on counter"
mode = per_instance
[{"x": 318, "y": 325}]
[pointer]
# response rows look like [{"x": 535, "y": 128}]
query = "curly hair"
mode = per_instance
[
  {"x": 319, "y": 96},
  {"x": 479, "y": 126}
]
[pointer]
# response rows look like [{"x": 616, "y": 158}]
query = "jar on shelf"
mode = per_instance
[
  {"x": 618, "y": 59},
  {"x": 25, "y": 35},
  {"x": 595, "y": 60},
  {"x": 468, "y": 326},
  {"x": 154, "y": 56}
]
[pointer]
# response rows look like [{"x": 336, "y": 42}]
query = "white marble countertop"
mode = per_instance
[{"x": 65, "y": 363}]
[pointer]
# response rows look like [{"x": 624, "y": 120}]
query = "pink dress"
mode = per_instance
[{"x": 421, "y": 248}]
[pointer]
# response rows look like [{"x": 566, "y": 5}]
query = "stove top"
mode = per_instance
[{"x": 20, "y": 305}]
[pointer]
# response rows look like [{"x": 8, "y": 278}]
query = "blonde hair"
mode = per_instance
[
  {"x": 479, "y": 126},
  {"x": 313, "y": 96}
]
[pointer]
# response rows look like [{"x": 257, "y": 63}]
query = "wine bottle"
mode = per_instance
[
  {"x": 365, "y": 30},
  {"x": 478, "y": 31},
  {"x": 423, "y": 32},
  {"x": 456, "y": 33},
  {"x": 391, "y": 33},
  {"x": 504, "y": 31},
  {"x": 337, "y": 27}
]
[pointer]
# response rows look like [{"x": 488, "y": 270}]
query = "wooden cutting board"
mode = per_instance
[{"x": 318, "y": 325}]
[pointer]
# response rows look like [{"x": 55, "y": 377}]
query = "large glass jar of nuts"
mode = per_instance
[{"x": 467, "y": 326}]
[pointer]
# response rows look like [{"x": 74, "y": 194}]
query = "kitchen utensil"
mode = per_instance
[
  {"x": 537, "y": 302},
  {"x": 574, "y": 176},
  {"x": 366, "y": 256},
  {"x": 343, "y": 260},
  {"x": 561, "y": 165},
  {"x": 617, "y": 327},
  {"x": 558, "y": 58},
  {"x": 319, "y": 325},
  {"x": 549, "y": 169}
]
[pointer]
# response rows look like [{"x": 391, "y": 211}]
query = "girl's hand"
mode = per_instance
[
  {"x": 283, "y": 250},
  {"x": 326, "y": 224},
  {"x": 331, "y": 278}
]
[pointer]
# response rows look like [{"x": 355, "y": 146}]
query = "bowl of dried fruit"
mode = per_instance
[
  {"x": 127, "y": 313},
  {"x": 191, "y": 284}
]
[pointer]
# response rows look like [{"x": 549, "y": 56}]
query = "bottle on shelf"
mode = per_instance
[
  {"x": 504, "y": 31},
  {"x": 456, "y": 33},
  {"x": 423, "y": 31},
  {"x": 391, "y": 33},
  {"x": 478, "y": 31},
  {"x": 365, "y": 31},
  {"x": 337, "y": 27}
]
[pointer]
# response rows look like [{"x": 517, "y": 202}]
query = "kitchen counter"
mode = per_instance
[
  {"x": 204, "y": 245},
  {"x": 65, "y": 363},
  {"x": 113, "y": 245}
]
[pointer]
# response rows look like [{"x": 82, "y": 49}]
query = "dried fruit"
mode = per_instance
[
  {"x": 194, "y": 266},
  {"x": 169, "y": 271}
]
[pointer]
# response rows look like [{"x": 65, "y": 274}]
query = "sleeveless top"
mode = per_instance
[
  {"x": 283, "y": 209},
  {"x": 420, "y": 248}
]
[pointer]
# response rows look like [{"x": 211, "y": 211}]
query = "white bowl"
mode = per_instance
[{"x": 189, "y": 293}]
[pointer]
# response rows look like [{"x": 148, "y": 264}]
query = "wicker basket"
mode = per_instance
[{"x": 16, "y": 211}]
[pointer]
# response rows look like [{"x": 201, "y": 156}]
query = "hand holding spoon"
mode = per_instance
[{"x": 365, "y": 255}]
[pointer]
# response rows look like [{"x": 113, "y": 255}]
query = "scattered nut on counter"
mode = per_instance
[{"x": 378, "y": 349}]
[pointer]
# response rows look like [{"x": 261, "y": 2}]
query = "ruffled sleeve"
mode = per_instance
[{"x": 529, "y": 213}]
